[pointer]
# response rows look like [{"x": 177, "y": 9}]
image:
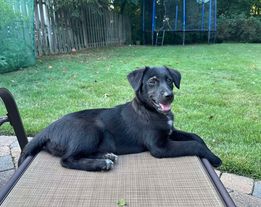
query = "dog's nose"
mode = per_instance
[{"x": 168, "y": 95}]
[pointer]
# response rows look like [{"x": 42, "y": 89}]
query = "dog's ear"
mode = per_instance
[
  {"x": 135, "y": 78},
  {"x": 176, "y": 76}
]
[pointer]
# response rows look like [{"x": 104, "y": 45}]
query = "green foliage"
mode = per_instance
[
  {"x": 74, "y": 7},
  {"x": 16, "y": 36},
  {"x": 7, "y": 15},
  {"x": 78, "y": 3},
  {"x": 124, "y": 6},
  {"x": 2, "y": 61},
  {"x": 239, "y": 28},
  {"x": 16, "y": 54},
  {"x": 235, "y": 7},
  {"x": 239, "y": 21},
  {"x": 121, "y": 203}
]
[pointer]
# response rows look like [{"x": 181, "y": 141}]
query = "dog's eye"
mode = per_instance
[
  {"x": 169, "y": 81},
  {"x": 152, "y": 82}
]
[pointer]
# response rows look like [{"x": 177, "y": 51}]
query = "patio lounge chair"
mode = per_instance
[{"x": 139, "y": 179}]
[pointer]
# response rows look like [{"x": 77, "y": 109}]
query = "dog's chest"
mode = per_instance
[{"x": 170, "y": 124}]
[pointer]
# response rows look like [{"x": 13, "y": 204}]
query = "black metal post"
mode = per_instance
[{"x": 14, "y": 116}]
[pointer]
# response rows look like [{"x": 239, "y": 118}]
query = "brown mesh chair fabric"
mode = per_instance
[{"x": 139, "y": 179}]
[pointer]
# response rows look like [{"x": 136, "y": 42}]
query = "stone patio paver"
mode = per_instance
[
  {"x": 257, "y": 189},
  {"x": 244, "y": 200},
  {"x": 7, "y": 140},
  {"x": 218, "y": 173},
  {"x": 6, "y": 163},
  {"x": 4, "y": 150},
  {"x": 5, "y": 176},
  {"x": 15, "y": 154},
  {"x": 238, "y": 183},
  {"x": 14, "y": 144}
]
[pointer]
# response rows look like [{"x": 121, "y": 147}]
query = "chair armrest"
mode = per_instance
[{"x": 13, "y": 117}]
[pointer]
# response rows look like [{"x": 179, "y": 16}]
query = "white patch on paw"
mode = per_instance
[
  {"x": 111, "y": 156},
  {"x": 109, "y": 164}
]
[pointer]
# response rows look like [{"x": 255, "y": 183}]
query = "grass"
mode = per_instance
[{"x": 220, "y": 95}]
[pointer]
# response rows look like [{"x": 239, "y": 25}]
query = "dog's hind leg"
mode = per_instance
[
  {"x": 82, "y": 158},
  {"x": 80, "y": 152},
  {"x": 87, "y": 164}
]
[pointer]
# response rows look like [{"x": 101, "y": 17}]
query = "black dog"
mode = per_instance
[{"x": 89, "y": 139}]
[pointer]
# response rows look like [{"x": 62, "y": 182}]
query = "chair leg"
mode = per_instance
[{"x": 14, "y": 116}]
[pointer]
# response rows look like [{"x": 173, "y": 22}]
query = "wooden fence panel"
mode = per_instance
[{"x": 56, "y": 32}]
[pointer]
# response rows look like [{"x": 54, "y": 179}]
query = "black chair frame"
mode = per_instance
[{"x": 13, "y": 117}]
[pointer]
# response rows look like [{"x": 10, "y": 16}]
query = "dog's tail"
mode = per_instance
[{"x": 33, "y": 147}]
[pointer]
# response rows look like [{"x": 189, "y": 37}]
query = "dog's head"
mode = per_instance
[{"x": 154, "y": 86}]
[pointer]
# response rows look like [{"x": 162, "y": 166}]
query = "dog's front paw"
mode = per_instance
[
  {"x": 111, "y": 156},
  {"x": 108, "y": 165},
  {"x": 216, "y": 162}
]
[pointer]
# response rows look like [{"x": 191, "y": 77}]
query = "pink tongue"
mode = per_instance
[{"x": 165, "y": 107}]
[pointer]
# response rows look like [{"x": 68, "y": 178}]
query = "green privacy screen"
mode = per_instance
[{"x": 16, "y": 34}]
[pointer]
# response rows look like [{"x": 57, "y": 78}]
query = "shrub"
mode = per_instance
[
  {"x": 6, "y": 15},
  {"x": 2, "y": 61},
  {"x": 239, "y": 28},
  {"x": 16, "y": 38}
]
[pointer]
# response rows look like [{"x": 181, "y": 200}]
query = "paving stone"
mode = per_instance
[
  {"x": 257, "y": 189},
  {"x": 4, "y": 150},
  {"x": 244, "y": 200},
  {"x": 5, "y": 176},
  {"x": 237, "y": 183},
  {"x": 7, "y": 140},
  {"x": 15, "y": 153},
  {"x": 6, "y": 163},
  {"x": 218, "y": 173},
  {"x": 229, "y": 190},
  {"x": 14, "y": 144}
]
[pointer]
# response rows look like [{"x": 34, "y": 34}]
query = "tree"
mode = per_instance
[
  {"x": 121, "y": 5},
  {"x": 235, "y": 7}
]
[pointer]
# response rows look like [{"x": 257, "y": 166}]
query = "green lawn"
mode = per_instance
[{"x": 220, "y": 95}]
